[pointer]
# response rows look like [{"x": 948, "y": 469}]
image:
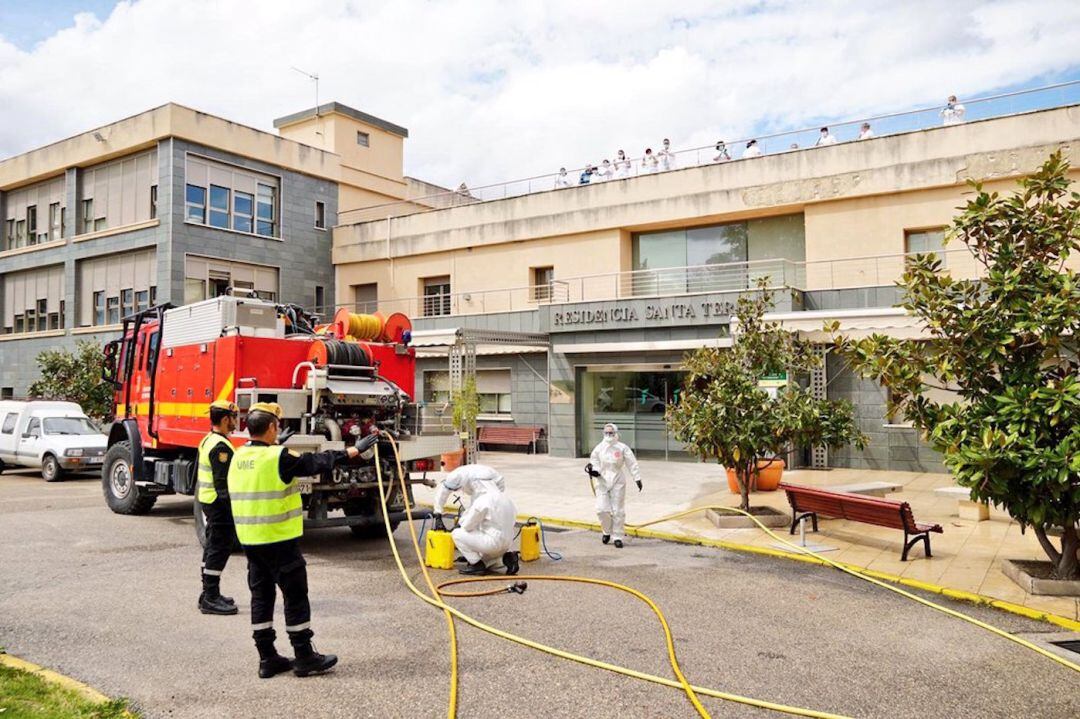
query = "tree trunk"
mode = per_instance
[
  {"x": 744, "y": 477},
  {"x": 1068, "y": 566}
]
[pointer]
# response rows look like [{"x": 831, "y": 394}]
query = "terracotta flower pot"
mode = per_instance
[
  {"x": 765, "y": 479},
  {"x": 452, "y": 460}
]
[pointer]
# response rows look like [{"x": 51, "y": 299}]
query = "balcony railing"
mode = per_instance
[
  {"x": 829, "y": 274},
  {"x": 982, "y": 108}
]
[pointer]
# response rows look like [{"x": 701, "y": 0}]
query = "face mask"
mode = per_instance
[{"x": 609, "y": 438}]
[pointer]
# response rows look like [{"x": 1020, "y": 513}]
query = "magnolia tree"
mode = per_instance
[
  {"x": 1007, "y": 344},
  {"x": 723, "y": 415},
  {"x": 75, "y": 377}
]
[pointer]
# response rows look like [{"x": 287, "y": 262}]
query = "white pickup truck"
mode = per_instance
[{"x": 56, "y": 436}]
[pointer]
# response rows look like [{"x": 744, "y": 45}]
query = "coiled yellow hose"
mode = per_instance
[{"x": 435, "y": 600}]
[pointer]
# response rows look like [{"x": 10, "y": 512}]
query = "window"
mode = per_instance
[
  {"x": 365, "y": 297},
  {"x": 243, "y": 212},
  {"x": 9, "y": 423},
  {"x": 20, "y": 233},
  {"x": 266, "y": 212},
  {"x": 100, "y": 224},
  {"x": 436, "y": 296},
  {"x": 142, "y": 300},
  {"x": 320, "y": 297},
  {"x": 195, "y": 201},
  {"x": 99, "y": 307},
  {"x": 320, "y": 215},
  {"x": 127, "y": 302},
  {"x": 121, "y": 191},
  {"x": 33, "y": 428},
  {"x": 363, "y": 139},
  {"x": 42, "y": 311},
  {"x": 88, "y": 215},
  {"x": 542, "y": 277},
  {"x": 31, "y": 224},
  {"x": 206, "y": 277},
  {"x": 56, "y": 222},
  {"x": 63, "y": 221},
  {"x": 153, "y": 202},
  {"x": 492, "y": 385},
  {"x": 924, "y": 241},
  {"x": 112, "y": 310},
  {"x": 7, "y": 392},
  {"x": 219, "y": 207},
  {"x": 9, "y": 234}
]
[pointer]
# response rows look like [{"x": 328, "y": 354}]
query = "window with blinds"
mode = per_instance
[
  {"x": 118, "y": 193},
  {"x": 112, "y": 287},
  {"x": 493, "y": 386},
  {"x": 231, "y": 198},
  {"x": 33, "y": 215},
  {"x": 207, "y": 277},
  {"x": 33, "y": 300}
]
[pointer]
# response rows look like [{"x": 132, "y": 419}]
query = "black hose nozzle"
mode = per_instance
[{"x": 517, "y": 587}]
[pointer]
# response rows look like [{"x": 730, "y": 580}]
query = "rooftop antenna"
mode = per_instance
[{"x": 314, "y": 77}]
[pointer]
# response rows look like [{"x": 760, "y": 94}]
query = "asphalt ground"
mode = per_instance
[{"x": 111, "y": 600}]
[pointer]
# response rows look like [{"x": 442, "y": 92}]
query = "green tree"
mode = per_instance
[
  {"x": 723, "y": 414},
  {"x": 1007, "y": 344},
  {"x": 75, "y": 377},
  {"x": 466, "y": 404}
]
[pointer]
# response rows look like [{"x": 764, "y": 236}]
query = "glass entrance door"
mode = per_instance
[{"x": 635, "y": 400}]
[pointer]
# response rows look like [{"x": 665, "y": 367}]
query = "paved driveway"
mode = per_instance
[{"x": 111, "y": 600}]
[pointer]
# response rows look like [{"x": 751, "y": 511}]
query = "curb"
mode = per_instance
[
  {"x": 959, "y": 594},
  {"x": 64, "y": 682}
]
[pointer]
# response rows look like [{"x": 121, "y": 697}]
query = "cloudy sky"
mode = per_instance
[{"x": 497, "y": 90}]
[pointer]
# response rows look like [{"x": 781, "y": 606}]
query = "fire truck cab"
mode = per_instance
[{"x": 171, "y": 363}]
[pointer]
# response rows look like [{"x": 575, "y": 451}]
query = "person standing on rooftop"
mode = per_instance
[
  {"x": 825, "y": 138},
  {"x": 562, "y": 180},
  {"x": 752, "y": 150},
  {"x": 865, "y": 133},
  {"x": 603, "y": 174},
  {"x": 622, "y": 165},
  {"x": 722, "y": 154},
  {"x": 953, "y": 112},
  {"x": 586, "y": 175},
  {"x": 666, "y": 156},
  {"x": 648, "y": 162}
]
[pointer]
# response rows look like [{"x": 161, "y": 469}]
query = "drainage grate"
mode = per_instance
[{"x": 1073, "y": 645}]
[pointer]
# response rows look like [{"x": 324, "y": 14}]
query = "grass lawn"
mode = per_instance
[{"x": 26, "y": 696}]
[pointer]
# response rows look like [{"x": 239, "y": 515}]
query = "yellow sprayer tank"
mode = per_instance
[
  {"x": 530, "y": 542},
  {"x": 439, "y": 550}
]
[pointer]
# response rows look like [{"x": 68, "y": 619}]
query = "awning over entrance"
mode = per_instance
[
  {"x": 654, "y": 346},
  {"x": 891, "y": 321},
  {"x": 437, "y": 343}
]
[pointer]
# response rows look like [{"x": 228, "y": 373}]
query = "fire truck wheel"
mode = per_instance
[
  {"x": 50, "y": 469},
  {"x": 121, "y": 493}
]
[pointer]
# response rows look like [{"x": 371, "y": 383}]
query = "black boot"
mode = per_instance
[
  {"x": 270, "y": 662},
  {"x": 477, "y": 568},
  {"x": 212, "y": 590},
  {"x": 215, "y": 604},
  {"x": 308, "y": 661},
  {"x": 618, "y": 544},
  {"x": 605, "y": 538},
  {"x": 510, "y": 561}
]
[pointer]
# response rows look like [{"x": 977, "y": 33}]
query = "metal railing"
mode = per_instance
[
  {"x": 981, "y": 108},
  {"x": 730, "y": 277}
]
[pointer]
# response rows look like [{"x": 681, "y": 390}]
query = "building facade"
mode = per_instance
[
  {"x": 625, "y": 277},
  {"x": 174, "y": 205}
]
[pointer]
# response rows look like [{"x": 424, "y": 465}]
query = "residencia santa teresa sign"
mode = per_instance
[{"x": 642, "y": 313}]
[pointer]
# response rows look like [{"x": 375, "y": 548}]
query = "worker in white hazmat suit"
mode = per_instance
[
  {"x": 611, "y": 463},
  {"x": 485, "y": 531}
]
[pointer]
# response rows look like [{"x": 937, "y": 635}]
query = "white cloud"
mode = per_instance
[{"x": 495, "y": 90}]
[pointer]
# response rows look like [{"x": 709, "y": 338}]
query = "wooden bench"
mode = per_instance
[
  {"x": 513, "y": 436},
  {"x": 810, "y": 502}
]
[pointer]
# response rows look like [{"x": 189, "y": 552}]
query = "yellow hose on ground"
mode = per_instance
[
  {"x": 873, "y": 580},
  {"x": 436, "y": 601}
]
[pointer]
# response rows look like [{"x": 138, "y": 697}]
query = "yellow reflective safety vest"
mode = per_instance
[
  {"x": 204, "y": 485},
  {"x": 265, "y": 509}
]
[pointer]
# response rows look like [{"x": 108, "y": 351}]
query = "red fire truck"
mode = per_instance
[{"x": 332, "y": 381}]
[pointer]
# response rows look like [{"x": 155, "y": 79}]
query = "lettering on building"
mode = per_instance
[{"x": 652, "y": 312}]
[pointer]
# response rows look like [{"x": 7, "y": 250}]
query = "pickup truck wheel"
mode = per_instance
[
  {"x": 118, "y": 483},
  {"x": 50, "y": 469}
]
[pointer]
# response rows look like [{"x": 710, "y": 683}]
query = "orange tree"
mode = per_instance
[
  {"x": 722, "y": 414},
  {"x": 1008, "y": 345}
]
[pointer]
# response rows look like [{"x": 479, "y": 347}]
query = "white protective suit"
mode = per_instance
[
  {"x": 485, "y": 530},
  {"x": 953, "y": 114},
  {"x": 616, "y": 463}
]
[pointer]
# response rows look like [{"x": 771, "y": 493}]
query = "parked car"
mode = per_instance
[{"x": 56, "y": 436}]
